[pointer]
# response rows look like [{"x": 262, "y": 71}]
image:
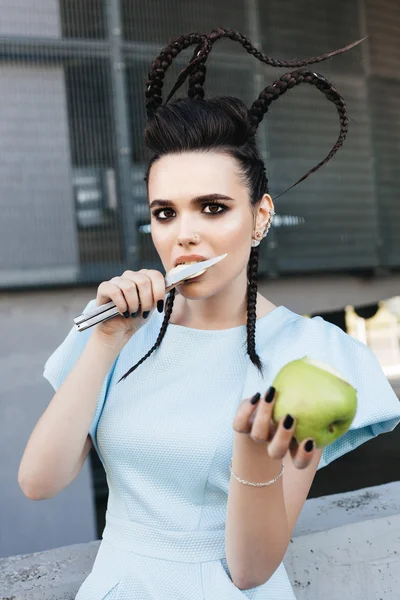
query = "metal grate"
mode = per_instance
[{"x": 74, "y": 207}]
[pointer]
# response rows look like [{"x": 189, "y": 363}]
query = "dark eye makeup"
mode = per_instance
[{"x": 224, "y": 207}]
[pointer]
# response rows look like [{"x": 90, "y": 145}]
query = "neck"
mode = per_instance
[{"x": 225, "y": 309}]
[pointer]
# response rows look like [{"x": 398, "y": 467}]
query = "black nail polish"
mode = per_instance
[
  {"x": 134, "y": 315},
  {"x": 255, "y": 398},
  {"x": 308, "y": 446},
  {"x": 270, "y": 394},
  {"x": 288, "y": 422},
  {"x": 146, "y": 314},
  {"x": 160, "y": 305},
  {"x": 126, "y": 314}
]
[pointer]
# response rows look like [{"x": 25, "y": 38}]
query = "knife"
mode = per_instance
[{"x": 109, "y": 310}]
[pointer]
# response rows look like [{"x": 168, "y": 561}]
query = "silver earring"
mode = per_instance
[
  {"x": 259, "y": 234},
  {"x": 256, "y": 242}
]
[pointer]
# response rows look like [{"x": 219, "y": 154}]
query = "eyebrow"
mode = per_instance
[{"x": 193, "y": 201}]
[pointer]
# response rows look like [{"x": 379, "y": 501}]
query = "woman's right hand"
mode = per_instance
[{"x": 146, "y": 286}]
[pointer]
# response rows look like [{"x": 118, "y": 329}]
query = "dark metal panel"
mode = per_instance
[
  {"x": 385, "y": 111},
  {"x": 92, "y": 138},
  {"x": 338, "y": 229},
  {"x": 327, "y": 221},
  {"x": 306, "y": 28},
  {"x": 383, "y": 22},
  {"x": 160, "y": 21},
  {"x": 83, "y": 19},
  {"x": 337, "y": 218}
]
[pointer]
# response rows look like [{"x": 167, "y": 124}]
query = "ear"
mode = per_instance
[{"x": 263, "y": 215}]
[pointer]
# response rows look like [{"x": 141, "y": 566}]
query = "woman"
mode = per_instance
[{"x": 169, "y": 397}]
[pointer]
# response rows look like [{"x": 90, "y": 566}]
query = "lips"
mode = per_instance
[{"x": 189, "y": 258}]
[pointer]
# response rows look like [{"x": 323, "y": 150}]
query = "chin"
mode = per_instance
[
  {"x": 190, "y": 293},
  {"x": 197, "y": 290}
]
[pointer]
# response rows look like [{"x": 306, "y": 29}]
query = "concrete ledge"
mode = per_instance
[
  {"x": 344, "y": 546},
  {"x": 52, "y": 575},
  {"x": 336, "y": 510},
  {"x": 358, "y": 561}
]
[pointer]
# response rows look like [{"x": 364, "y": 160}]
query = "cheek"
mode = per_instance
[
  {"x": 235, "y": 237},
  {"x": 234, "y": 228},
  {"x": 161, "y": 238}
]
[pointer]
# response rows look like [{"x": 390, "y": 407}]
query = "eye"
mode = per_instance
[{"x": 224, "y": 208}]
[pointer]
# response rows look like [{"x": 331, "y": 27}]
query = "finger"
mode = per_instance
[
  {"x": 280, "y": 443},
  {"x": 139, "y": 288},
  {"x": 262, "y": 418},
  {"x": 159, "y": 289},
  {"x": 241, "y": 422},
  {"x": 302, "y": 458},
  {"x": 107, "y": 291},
  {"x": 131, "y": 294}
]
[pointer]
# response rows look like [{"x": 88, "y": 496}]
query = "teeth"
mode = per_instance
[{"x": 193, "y": 262}]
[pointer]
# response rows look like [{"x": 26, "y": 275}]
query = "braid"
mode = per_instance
[
  {"x": 235, "y": 36},
  {"x": 196, "y": 81},
  {"x": 289, "y": 80},
  {"x": 252, "y": 273},
  {"x": 163, "y": 61},
  {"x": 197, "y": 68},
  {"x": 168, "y": 310}
]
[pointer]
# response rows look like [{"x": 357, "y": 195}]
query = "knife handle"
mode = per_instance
[{"x": 101, "y": 313}]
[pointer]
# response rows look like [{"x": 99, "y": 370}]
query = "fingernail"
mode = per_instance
[
  {"x": 160, "y": 305},
  {"x": 255, "y": 398},
  {"x": 288, "y": 422},
  {"x": 126, "y": 314},
  {"x": 308, "y": 446},
  {"x": 270, "y": 394},
  {"x": 134, "y": 315},
  {"x": 146, "y": 314}
]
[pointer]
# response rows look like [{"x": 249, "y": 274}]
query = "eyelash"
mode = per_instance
[{"x": 156, "y": 212}]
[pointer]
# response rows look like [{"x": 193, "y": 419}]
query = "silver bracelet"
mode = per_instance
[{"x": 256, "y": 484}]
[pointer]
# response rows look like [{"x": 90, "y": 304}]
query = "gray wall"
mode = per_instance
[
  {"x": 30, "y": 17},
  {"x": 32, "y": 326},
  {"x": 37, "y": 227}
]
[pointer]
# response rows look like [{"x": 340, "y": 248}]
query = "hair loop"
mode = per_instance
[{"x": 204, "y": 43}]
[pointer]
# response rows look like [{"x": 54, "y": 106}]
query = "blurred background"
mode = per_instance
[{"x": 74, "y": 208}]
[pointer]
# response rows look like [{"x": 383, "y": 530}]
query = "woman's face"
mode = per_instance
[{"x": 222, "y": 225}]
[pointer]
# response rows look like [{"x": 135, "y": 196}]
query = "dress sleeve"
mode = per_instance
[
  {"x": 60, "y": 363},
  {"x": 378, "y": 408}
]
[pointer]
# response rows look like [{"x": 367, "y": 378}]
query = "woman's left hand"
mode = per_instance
[{"x": 255, "y": 420}]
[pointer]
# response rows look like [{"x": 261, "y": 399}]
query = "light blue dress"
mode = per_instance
[{"x": 165, "y": 438}]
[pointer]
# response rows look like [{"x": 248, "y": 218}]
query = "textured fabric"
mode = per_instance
[{"x": 165, "y": 438}]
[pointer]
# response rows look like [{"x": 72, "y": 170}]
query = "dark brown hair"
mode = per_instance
[{"x": 227, "y": 125}]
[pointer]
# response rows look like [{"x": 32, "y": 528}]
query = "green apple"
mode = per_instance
[{"x": 323, "y": 403}]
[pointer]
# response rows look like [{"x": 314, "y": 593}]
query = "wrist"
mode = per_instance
[
  {"x": 250, "y": 459},
  {"x": 113, "y": 344}
]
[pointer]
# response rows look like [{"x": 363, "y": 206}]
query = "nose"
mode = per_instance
[
  {"x": 187, "y": 232},
  {"x": 189, "y": 238}
]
